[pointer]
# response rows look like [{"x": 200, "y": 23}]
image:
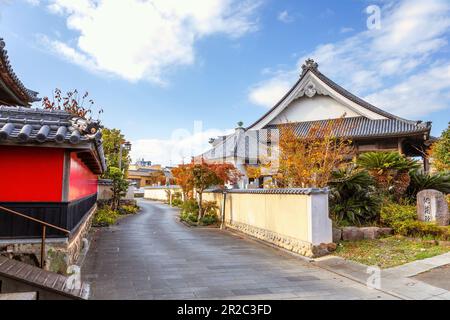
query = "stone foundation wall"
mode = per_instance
[
  {"x": 295, "y": 245},
  {"x": 60, "y": 253}
]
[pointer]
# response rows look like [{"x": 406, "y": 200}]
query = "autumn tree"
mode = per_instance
[
  {"x": 308, "y": 161},
  {"x": 157, "y": 177},
  {"x": 440, "y": 151},
  {"x": 183, "y": 177},
  {"x": 206, "y": 175}
]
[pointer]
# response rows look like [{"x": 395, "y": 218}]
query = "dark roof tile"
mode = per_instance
[{"x": 26, "y": 125}]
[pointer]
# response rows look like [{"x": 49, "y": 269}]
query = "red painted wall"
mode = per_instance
[
  {"x": 82, "y": 182},
  {"x": 31, "y": 174}
]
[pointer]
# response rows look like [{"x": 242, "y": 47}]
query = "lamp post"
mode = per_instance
[{"x": 125, "y": 145}]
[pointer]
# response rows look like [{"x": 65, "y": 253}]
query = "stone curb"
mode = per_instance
[{"x": 414, "y": 268}]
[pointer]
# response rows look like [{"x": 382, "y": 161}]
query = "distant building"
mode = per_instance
[
  {"x": 143, "y": 164},
  {"x": 314, "y": 100},
  {"x": 144, "y": 173}
]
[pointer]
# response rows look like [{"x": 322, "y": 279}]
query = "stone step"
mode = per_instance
[
  {"x": 18, "y": 276},
  {"x": 19, "y": 296}
]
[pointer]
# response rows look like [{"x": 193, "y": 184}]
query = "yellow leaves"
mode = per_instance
[{"x": 308, "y": 161}]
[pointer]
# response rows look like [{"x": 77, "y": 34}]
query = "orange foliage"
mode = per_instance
[
  {"x": 183, "y": 177},
  {"x": 309, "y": 161}
]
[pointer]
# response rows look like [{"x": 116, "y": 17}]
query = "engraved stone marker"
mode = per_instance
[{"x": 432, "y": 207}]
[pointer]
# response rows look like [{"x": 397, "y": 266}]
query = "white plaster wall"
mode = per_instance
[
  {"x": 311, "y": 109},
  {"x": 320, "y": 225}
]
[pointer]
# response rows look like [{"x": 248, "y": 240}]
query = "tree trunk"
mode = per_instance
[{"x": 200, "y": 208}]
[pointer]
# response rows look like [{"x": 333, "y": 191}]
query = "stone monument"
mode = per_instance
[{"x": 432, "y": 207}]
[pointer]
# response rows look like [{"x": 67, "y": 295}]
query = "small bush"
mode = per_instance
[
  {"x": 105, "y": 217},
  {"x": 208, "y": 219},
  {"x": 415, "y": 228},
  {"x": 189, "y": 217},
  {"x": 353, "y": 198},
  {"x": 190, "y": 206},
  {"x": 129, "y": 209},
  {"x": 210, "y": 208},
  {"x": 189, "y": 211},
  {"x": 177, "y": 195},
  {"x": 403, "y": 220},
  {"x": 177, "y": 202},
  {"x": 392, "y": 213}
]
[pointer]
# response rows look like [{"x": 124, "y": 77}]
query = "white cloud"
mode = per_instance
[
  {"x": 419, "y": 94},
  {"x": 269, "y": 92},
  {"x": 371, "y": 61},
  {"x": 33, "y": 2},
  {"x": 285, "y": 17},
  {"x": 137, "y": 39},
  {"x": 346, "y": 30},
  {"x": 181, "y": 147}
]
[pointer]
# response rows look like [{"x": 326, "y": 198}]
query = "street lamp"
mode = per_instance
[{"x": 124, "y": 145}]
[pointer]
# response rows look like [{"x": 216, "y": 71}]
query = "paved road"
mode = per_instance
[
  {"x": 438, "y": 277},
  {"x": 153, "y": 256}
]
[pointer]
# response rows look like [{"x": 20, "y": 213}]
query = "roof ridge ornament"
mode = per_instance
[{"x": 309, "y": 64}]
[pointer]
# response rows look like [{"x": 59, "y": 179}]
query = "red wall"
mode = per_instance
[
  {"x": 31, "y": 174},
  {"x": 82, "y": 182}
]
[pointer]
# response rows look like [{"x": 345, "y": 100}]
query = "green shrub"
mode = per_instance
[
  {"x": 421, "y": 181},
  {"x": 189, "y": 211},
  {"x": 177, "y": 195},
  {"x": 415, "y": 228},
  {"x": 210, "y": 208},
  {"x": 353, "y": 198},
  {"x": 392, "y": 213},
  {"x": 208, "y": 219},
  {"x": 190, "y": 206},
  {"x": 105, "y": 217},
  {"x": 403, "y": 220},
  {"x": 177, "y": 202},
  {"x": 129, "y": 209},
  {"x": 390, "y": 171},
  {"x": 189, "y": 217}
]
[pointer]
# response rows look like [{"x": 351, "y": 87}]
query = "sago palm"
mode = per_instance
[
  {"x": 421, "y": 181},
  {"x": 389, "y": 169}
]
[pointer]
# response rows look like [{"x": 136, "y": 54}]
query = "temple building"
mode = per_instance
[
  {"x": 314, "y": 100},
  {"x": 50, "y": 161}
]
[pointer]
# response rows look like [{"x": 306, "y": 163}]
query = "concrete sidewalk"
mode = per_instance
[{"x": 403, "y": 282}]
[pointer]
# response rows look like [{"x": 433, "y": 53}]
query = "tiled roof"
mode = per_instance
[
  {"x": 239, "y": 144},
  {"x": 360, "y": 127},
  {"x": 30, "y": 94},
  {"x": 19, "y": 125},
  {"x": 312, "y": 67},
  {"x": 306, "y": 191},
  {"x": 252, "y": 144}
]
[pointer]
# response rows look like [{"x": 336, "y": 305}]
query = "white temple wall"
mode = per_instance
[{"x": 311, "y": 109}]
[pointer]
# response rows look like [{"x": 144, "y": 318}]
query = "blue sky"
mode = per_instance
[{"x": 156, "y": 68}]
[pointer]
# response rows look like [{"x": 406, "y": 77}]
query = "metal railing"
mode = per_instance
[{"x": 44, "y": 230}]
